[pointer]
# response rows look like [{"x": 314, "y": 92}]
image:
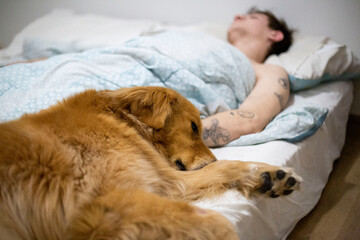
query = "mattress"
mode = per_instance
[{"x": 312, "y": 159}]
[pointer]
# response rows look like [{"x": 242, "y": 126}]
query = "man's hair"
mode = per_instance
[{"x": 278, "y": 25}]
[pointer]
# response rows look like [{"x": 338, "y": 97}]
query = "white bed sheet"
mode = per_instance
[{"x": 265, "y": 218}]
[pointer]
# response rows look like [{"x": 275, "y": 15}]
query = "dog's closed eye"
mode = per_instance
[
  {"x": 180, "y": 165},
  {"x": 194, "y": 127}
]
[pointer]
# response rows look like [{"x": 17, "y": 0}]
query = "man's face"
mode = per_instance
[{"x": 254, "y": 25}]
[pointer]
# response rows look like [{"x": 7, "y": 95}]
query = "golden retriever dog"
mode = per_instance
[{"x": 106, "y": 165}]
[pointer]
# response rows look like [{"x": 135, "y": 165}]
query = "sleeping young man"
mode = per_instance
[{"x": 257, "y": 34}]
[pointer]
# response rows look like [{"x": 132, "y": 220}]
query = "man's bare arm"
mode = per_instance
[{"x": 269, "y": 96}]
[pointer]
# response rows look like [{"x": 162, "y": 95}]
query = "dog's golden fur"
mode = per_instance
[{"x": 103, "y": 165}]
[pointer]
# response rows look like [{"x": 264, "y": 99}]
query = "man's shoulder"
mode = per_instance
[
  {"x": 270, "y": 68},
  {"x": 263, "y": 70}
]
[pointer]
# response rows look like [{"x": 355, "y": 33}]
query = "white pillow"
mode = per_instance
[
  {"x": 86, "y": 30},
  {"x": 312, "y": 60}
]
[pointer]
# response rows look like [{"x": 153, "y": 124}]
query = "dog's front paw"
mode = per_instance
[{"x": 278, "y": 181}]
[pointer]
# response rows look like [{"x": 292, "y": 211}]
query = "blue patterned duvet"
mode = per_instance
[{"x": 209, "y": 72}]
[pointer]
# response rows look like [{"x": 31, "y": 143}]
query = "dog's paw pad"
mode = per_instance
[
  {"x": 291, "y": 181},
  {"x": 274, "y": 195},
  {"x": 287, "y": 192},
  {"x": 279, "y": 182},
  {"x": 280, "y": 174},
  {"x": 267, "y": 183}
]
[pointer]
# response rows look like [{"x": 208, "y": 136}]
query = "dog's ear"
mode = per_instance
[{"x": 150, "y": 105}]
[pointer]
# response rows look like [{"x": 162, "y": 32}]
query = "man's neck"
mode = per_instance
[{"x": 254, "y": 50}]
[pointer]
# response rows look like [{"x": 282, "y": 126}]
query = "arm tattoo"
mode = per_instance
[
  {"x": 284, "y": 83},
  {"x": 281, "y": 99},
  {"x": 216, "y": 133},
  {"x": 245, "y": 114}
]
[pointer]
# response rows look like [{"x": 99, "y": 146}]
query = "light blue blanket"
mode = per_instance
[{"x": 211, "y": 73}]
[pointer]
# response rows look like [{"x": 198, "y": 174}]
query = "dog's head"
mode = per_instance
[{"x": 169, "y": 121}]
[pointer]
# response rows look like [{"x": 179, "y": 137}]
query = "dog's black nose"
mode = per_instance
[{"x": 180, "y": 165}]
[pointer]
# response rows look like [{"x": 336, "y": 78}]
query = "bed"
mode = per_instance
[{"x": 320, "y": 89}]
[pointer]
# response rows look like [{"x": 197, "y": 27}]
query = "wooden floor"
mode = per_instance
[{"x": 337, "y": 214}]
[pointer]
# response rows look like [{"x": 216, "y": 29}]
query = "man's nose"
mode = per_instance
[{"x": 238, "y": 17}]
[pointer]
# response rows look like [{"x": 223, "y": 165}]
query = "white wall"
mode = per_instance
[{"x": 338, "y": 19}]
